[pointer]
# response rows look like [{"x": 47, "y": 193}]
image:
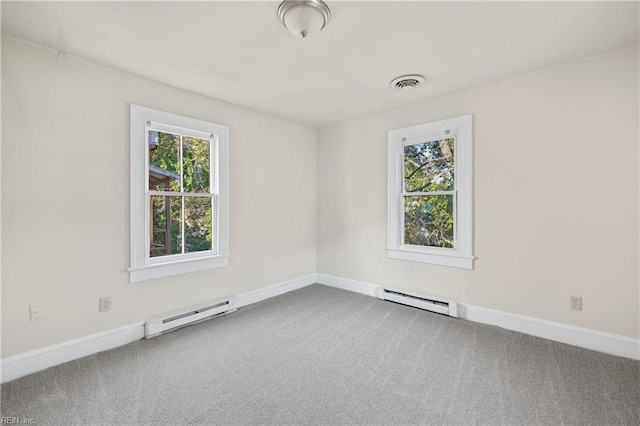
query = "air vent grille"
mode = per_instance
[{"x": 406, "y": 82}]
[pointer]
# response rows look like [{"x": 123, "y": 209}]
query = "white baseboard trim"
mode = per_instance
[
  {"x": 565, "y": 333},
  {"x": 572, "y": 335},
  {"x": 29, "y": 362},
  {"x": 348, "y": 284},
  {"x": 261, "y": 294},
  {"x": 16, "y": 366}
]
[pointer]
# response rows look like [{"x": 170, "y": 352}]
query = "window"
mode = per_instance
[
  {"x": 429, "y": 193},
  {"x": 179, "y": 208}
]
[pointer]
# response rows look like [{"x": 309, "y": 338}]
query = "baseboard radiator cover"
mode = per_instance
[
  {"x": 427, "y": 303},
  {"x": 157, "y": 326}
]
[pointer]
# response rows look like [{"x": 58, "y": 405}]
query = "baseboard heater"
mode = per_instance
[
  {"x": 187, "y": 317},
  {"x": 428, "y": 303}
]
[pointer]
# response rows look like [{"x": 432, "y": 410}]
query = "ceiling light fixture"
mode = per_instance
[{"x": 304, "y": 17}]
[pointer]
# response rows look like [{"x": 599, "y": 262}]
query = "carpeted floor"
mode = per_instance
[{"x": 321, "y": 355}]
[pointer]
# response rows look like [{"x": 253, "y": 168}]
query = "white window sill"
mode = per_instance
[
  {"x": 453, "y": 260},
  {"x": 160, "y": 270}
]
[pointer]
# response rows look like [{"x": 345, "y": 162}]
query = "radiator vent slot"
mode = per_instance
[
  {"x": 428, "y": 303},
  {"x": 187, "y": 317}
]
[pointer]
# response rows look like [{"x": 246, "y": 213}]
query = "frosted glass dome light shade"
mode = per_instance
[
  {"x": 303, "y": 21},
  {"x": 305, "y": 17}
]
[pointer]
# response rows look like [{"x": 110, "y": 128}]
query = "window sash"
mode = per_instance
[
  {"x": 435, "y": 137},
  {"x": 179, "y": 194},
  {"x": 176, "y": 130},
  {"x": 149, "y": 260},
  {"x": 213, "y": 153},
  {"x": 426, "y": 194},
  {"x": 177, "y": 257},
  {"x": 213, "y": 187},
  {"x": 417, "y": 194}
]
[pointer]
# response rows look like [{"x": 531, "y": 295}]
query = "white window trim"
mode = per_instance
[
  {"x": 461, "y": 256},
  {"x": 142, "y": 266}
]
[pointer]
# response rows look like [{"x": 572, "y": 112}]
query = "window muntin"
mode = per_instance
[
  {"x": 179, "y": 195},
  {"x": 429, "y": 166},
  {"x": 429, "y": 193}
]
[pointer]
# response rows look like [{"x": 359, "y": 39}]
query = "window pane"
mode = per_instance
[
  {"x": 195, "y": 164},
  {"x": 197, "y": 217},
  {"x": 428, "y": 220},
  {"x": 428, "y": 166},
  {"x": 166, "y": 217},
  {"x": 164, "y": 161}
]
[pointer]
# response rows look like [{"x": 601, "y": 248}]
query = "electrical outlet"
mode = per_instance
[
  {"x": 105, "y": 304},
  {"x": 36, "y": 311},
  {"x": 575, "y": 303}
]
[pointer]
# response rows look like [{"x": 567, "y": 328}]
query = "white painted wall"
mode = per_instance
[
  {"x": 556, "y": 196},
  {"x": 566, "y": 137},
  {"x": 65, "y": 192}
]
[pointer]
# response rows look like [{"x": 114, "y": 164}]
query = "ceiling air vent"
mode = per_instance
[{"x": 407, "y": 82}]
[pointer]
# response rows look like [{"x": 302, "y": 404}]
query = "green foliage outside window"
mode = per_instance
[
  {"x": 195, "y": 179},
  {"x": 428, "y": 218}
]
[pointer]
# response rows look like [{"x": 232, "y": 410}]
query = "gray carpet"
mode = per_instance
[{"x": 321, "y": 355}]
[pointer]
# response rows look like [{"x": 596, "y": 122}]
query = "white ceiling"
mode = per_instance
[{"x": 239, "y": 52}]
